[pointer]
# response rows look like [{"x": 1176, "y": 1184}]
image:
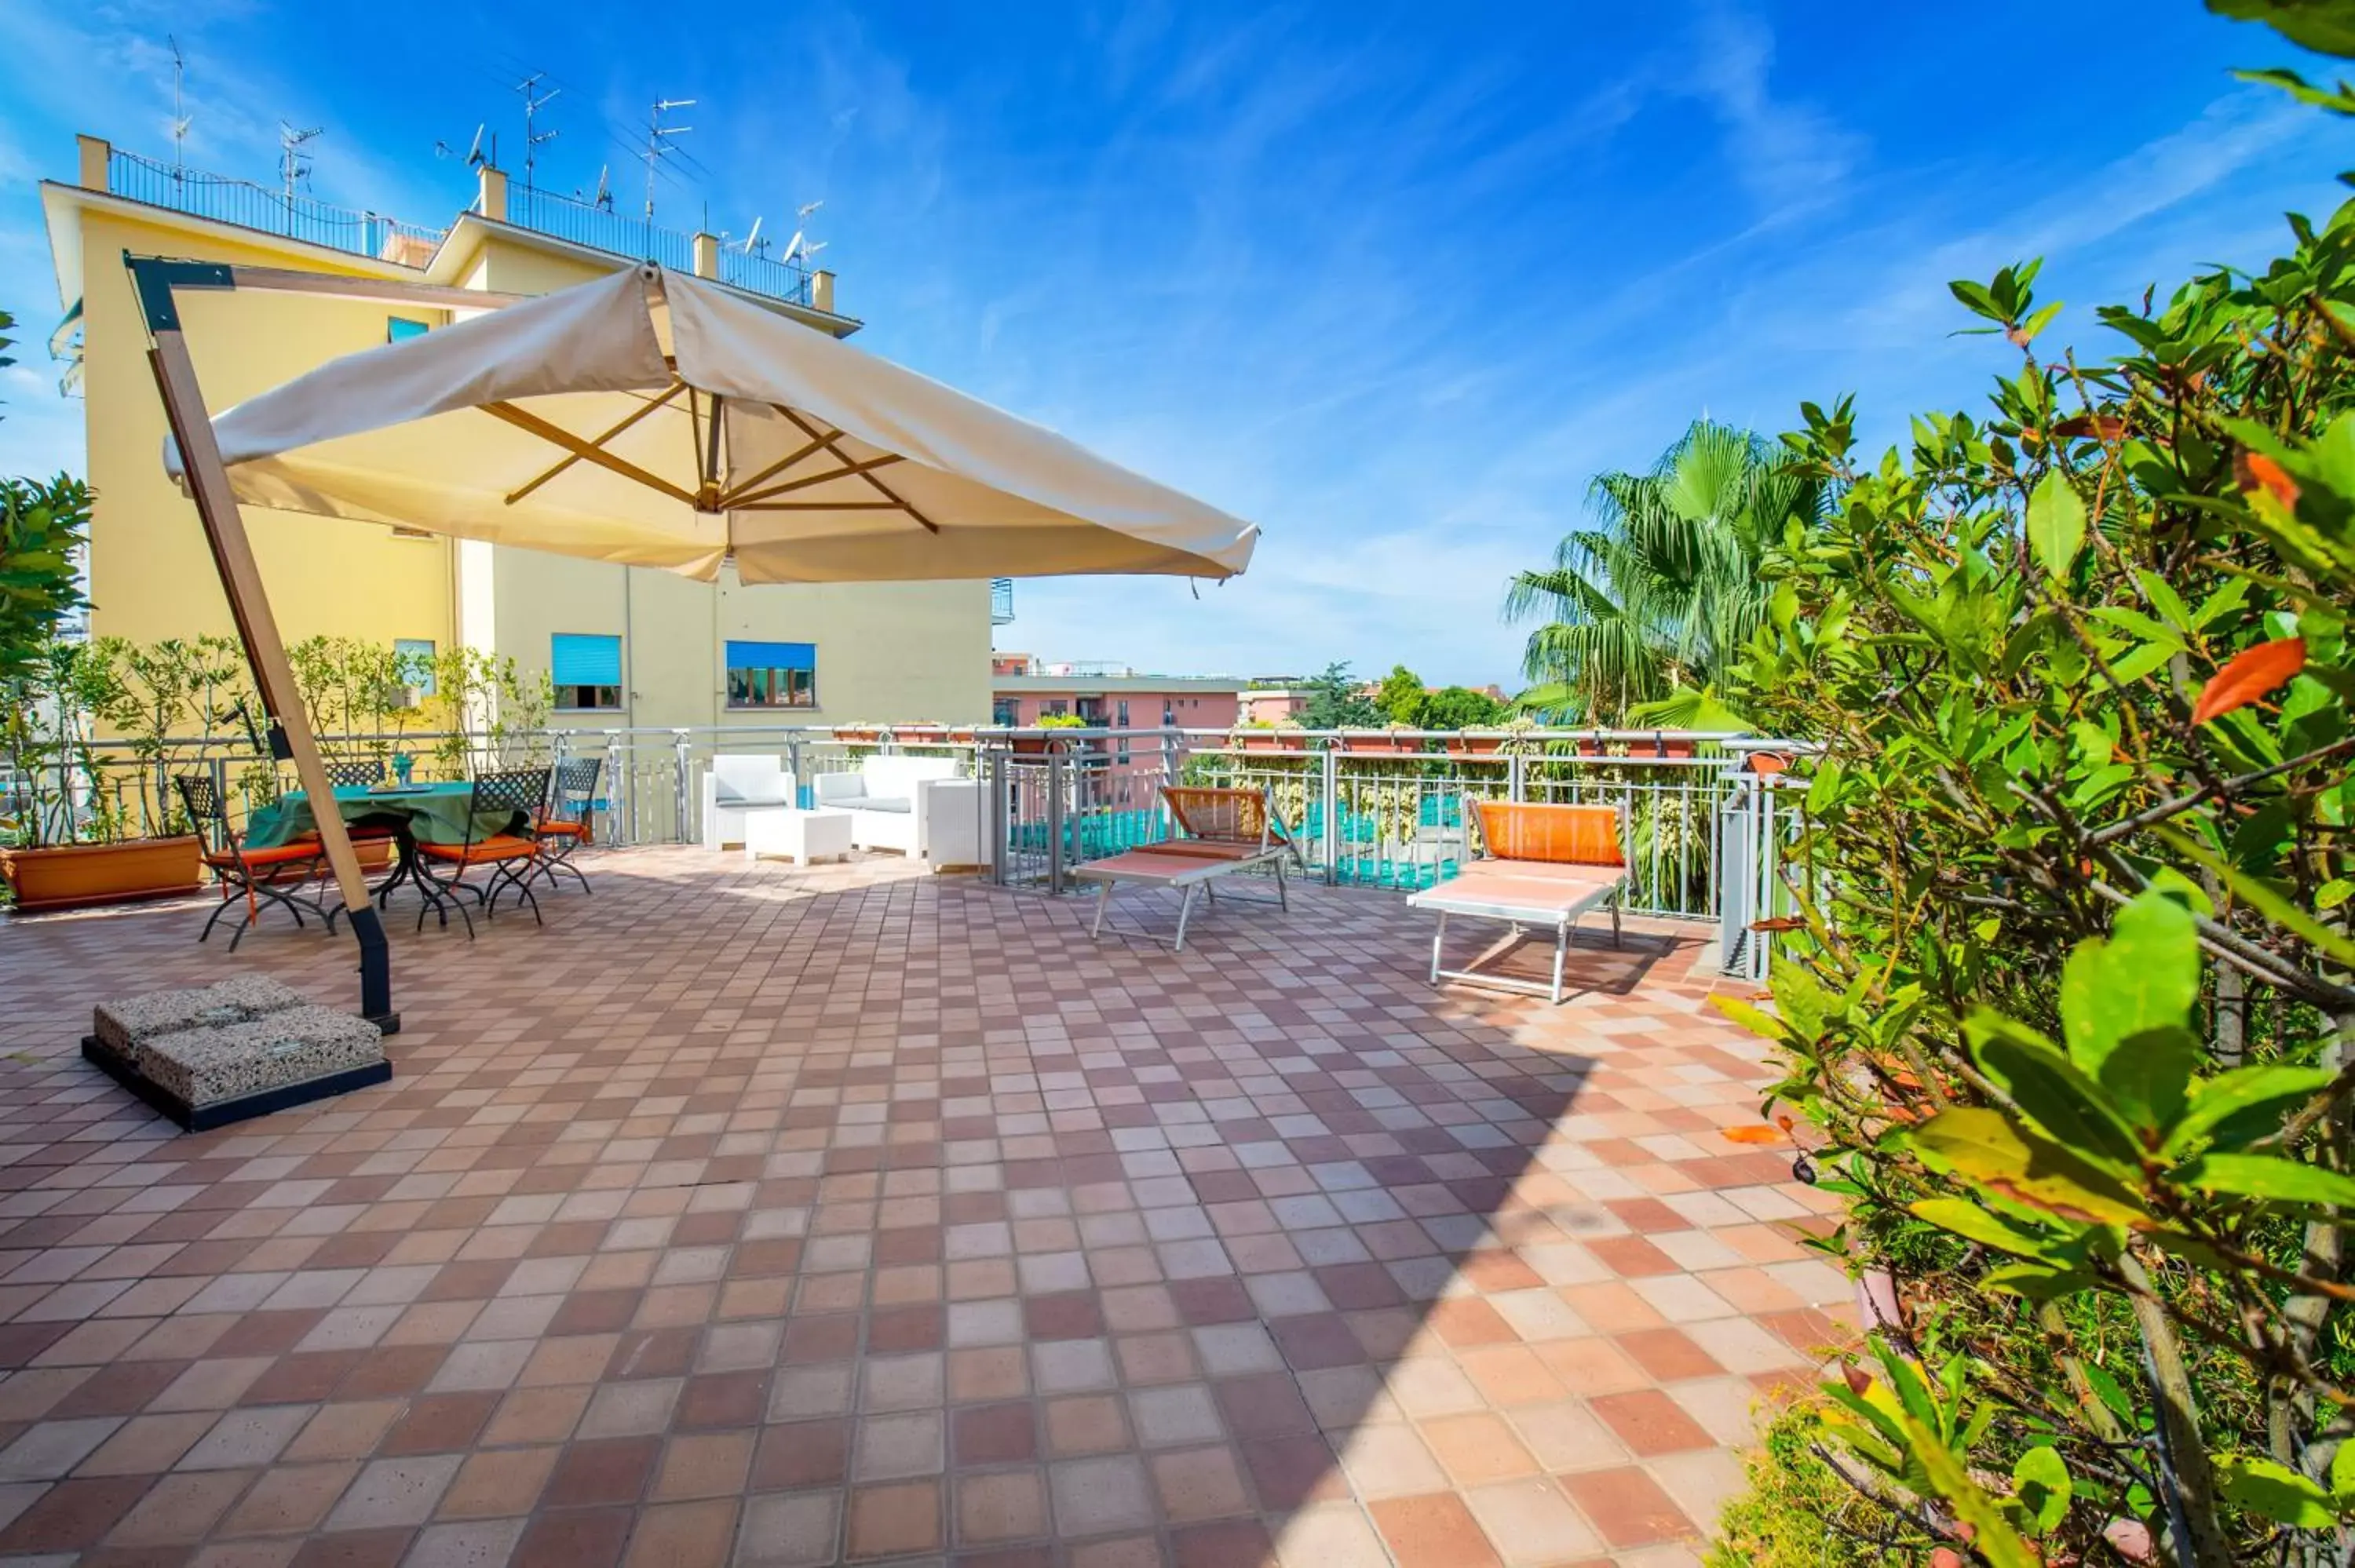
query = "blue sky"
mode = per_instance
[{"x": 1394, "y": 282}]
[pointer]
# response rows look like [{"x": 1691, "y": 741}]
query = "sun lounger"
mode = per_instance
[
  {"x": 1545, "y": 865},
  {"x": 1222, "y": 831}
]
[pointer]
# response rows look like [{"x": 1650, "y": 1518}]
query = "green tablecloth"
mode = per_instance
[{"x": 436, "y": 813}]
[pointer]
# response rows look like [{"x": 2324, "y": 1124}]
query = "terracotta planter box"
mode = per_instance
[
  {"x": 77, "y": 876},
  {"x": 921, "y": 733},
  {"x": 1379, "y": 743},
  {"x": 1029, "y": 746},
  {"x": 859, "y": 736},
  {"x": 1263, "y": 740},
  {"x": 1470, "y": 745}
]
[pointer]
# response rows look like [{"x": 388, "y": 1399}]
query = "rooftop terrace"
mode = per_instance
[{"x": 788, "y": 1215}]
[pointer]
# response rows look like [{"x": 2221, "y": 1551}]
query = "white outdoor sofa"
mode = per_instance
[
  {"x": 889, "y": 799},
  {"x": 734, "y": 787}
]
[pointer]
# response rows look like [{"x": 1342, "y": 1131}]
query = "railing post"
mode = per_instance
[
  {"x": 1056, "y": 758},
  {"x": 1330, "y": 788},
  {"x": 794, "y": 762},
  {"x": 681, "y": 741},
  {"x": 1517, "y": 776}
]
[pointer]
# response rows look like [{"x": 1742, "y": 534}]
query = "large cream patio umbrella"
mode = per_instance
[
  {"x": 646, "y": 418},
  {"x": 654, "y": 419}
]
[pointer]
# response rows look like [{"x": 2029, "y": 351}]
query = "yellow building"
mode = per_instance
[{"x": 627, "y": 646}]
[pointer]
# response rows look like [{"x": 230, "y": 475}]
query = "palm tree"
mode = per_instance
[{"x": 1643, "y": 611}]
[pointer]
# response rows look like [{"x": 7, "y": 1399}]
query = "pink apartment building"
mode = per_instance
[{"x": 1024, "y": 691}]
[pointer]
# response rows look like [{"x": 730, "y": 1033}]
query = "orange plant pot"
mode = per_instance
[{"x": 80, "y": 876}]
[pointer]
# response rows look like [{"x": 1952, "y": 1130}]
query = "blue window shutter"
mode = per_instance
[
  {"x": 771, "y": 655},
  {"x": 580, "y": 661},
  {"x": 400, "y": 328}
]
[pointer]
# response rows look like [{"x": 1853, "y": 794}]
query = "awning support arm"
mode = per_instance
[
  {"x": 154, "y": 280},
  {"x": 884, "y": 489}
]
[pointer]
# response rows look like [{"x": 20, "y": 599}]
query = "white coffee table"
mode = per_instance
[{"x": 803, "y": 836}]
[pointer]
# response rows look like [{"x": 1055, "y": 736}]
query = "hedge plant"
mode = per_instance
[{"x": 2069, "y": 994}]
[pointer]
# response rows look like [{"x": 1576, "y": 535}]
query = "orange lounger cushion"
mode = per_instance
[
  {"x": 489, "y": 852},
  {"x": 1554, "y": 834},
  {"x": 570, "y": 829}
]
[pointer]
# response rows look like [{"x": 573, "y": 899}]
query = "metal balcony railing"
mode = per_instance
[{"x": 249, "y": 205}]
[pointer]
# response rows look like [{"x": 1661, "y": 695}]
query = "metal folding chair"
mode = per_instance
[
  {"x": 516, "y": 796},
  {"x": 564, "y": 825},
  {"x": 257, "y": 873}
]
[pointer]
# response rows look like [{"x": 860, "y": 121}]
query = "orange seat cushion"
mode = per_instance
[
  {"x": 278, "y": 855},
  {"x": 562, "y": 825},
  {"x": 489, "y": 852}
]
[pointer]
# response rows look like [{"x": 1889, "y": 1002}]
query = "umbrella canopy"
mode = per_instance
[{"x": 656, "y": 419}]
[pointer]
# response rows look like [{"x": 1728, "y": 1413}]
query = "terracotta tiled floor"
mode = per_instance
[{"x": 795, "y": 1216}]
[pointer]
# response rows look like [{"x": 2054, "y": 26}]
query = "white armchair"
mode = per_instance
[{"x": 736, "y": 786}]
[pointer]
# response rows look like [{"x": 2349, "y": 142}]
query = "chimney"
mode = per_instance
[
  {"x": 493, "y": 202},
  {"x": 822, "y": 292},
  {"x": 94, "y": 155},
  {"x": 707, "y": 256}
]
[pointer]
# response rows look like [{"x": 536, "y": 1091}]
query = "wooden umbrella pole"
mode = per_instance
[{"x": 209, "y": 486}]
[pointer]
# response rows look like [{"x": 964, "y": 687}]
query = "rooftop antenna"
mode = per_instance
[
  {"x": 604, "y": 188},
  {"x": 179, "y": 114},
  {"x": 658, "y": 142},
  {"x": 293, "y": 165},
  {"x": 532, "y": 104},
  {"x": 799, "y": 245}
]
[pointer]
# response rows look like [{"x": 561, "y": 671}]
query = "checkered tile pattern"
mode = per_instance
[{"x": 794, "y": 1216}]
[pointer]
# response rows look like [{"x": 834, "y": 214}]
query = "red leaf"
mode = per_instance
[
  {"x": 2250, "y": 675},
  {"x": 1753, "y": 1134},
  {"x": 1945, "y": 1557},
  {"x": 1858, "y": 1381},
  {"x": 2258, "y": 471},
  {"x": 1778, "y": 922}
]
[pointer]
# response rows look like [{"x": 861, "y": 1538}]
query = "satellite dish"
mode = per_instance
[
  {"x": 604, "y": 191},
  {"x": 792, "y": 246},
  {"x": 474, "y": 153},
  {"x": 752, "y": 238}
]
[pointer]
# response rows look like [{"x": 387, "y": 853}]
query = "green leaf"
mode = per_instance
[
  {"x": 1983, "y": 1146},
  {"x": 2269, "y": 1177},
  {"x": 2267, "y": 900},
  {"x": 1755, "y": 1019},
  {"x": 2066, "y": 1104},
  {"x": 2035, "y": 1282},
  {"x": 2342, "y": 1475},
  {"x": 2144, "y": 977},
  {"x": 2056, "y": 522},
  {"x": 2040, "y": 1479},
  {"x": 2275, "y": 1491},
  {"x": 2243, "y": 1091},
  {"x": 1994, "y": 1538},
  {"x": 1967, "y": 1220}
]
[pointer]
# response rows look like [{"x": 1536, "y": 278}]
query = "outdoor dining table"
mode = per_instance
[{"x": 417, "y": 814}]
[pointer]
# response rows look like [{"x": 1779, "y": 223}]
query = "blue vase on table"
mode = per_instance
[{"x": 402, "y": 765}]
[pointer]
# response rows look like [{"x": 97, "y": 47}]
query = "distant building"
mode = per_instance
[{"x": 1026, "y": 691}]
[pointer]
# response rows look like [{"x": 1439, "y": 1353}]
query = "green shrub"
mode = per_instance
[{"x": 2072, "y": 991}]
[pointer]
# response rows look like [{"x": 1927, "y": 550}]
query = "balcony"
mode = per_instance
[
  {"x": 289, "y": 215},
  {"x": 295, "y": 215}
]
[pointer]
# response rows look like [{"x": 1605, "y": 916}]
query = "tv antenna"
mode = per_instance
[
  {"x": 799, "y": 244},
  {"x": 293, "y": 163},
  {"x": 180, "y": 113},
  {"x": 658, "y": 141},
  {"x": 532, "y": 104},
  {"x": 604, "y": 188}
]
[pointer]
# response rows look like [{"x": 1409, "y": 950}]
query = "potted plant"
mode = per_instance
[
  {"x": 1396, "y": 740},
  {"x": 1037, "y": 745}
]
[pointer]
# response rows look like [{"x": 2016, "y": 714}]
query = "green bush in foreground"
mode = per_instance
[{"x": 2071, "y": 994}]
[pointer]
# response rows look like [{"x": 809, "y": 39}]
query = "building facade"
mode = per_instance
[
  {"x": 627, "y": 647},
  {"x": 1025, "y": 693}
]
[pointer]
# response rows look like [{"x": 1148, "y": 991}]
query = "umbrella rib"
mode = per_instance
[
  {"x": 879, "y": 487},
  {"x": 776, "y": 468},
  {"x": 624, "y": 423},
  {"x": 558, "y": 436},
  {"x": 823, "y": 506},
  {"x": 807, "y": 480}
]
